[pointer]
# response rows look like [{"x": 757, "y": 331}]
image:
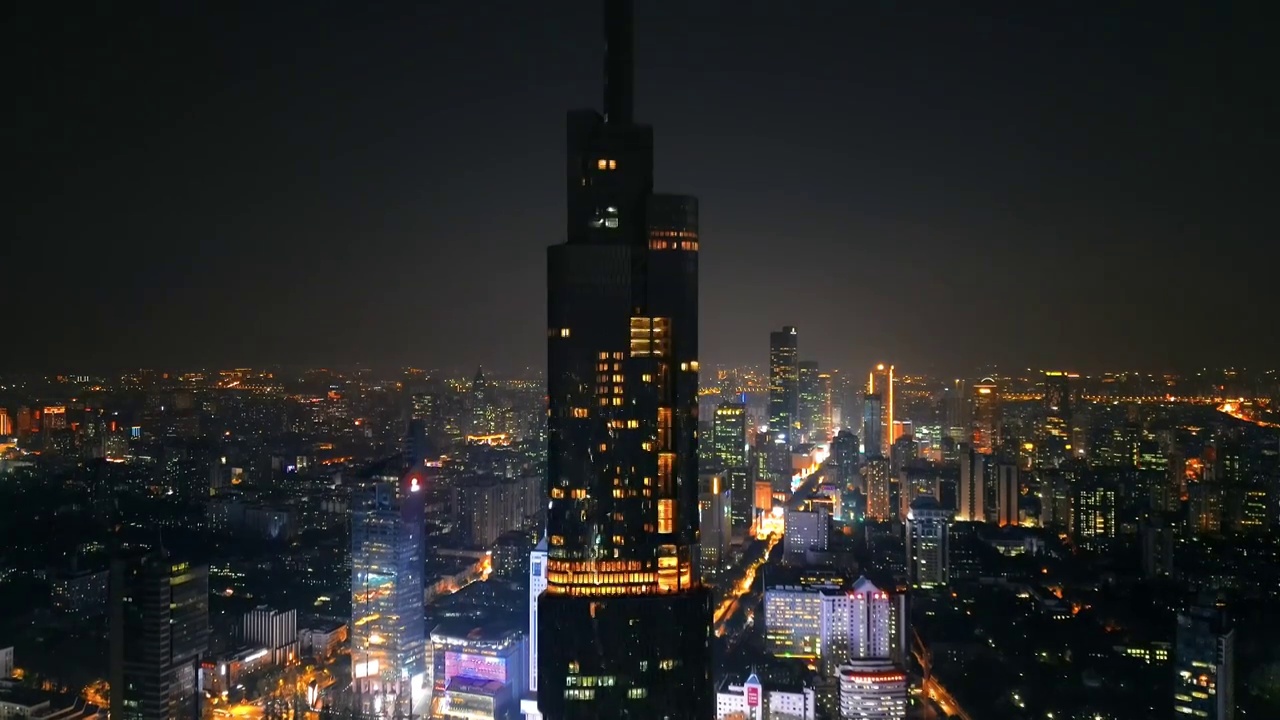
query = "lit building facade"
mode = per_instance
[
  {"x": 729, "y": 438},
  {"x": 879, "y": 501},
  {"x": 880, "y": 382},
  {"x": 928, "y": 543},
  {"x": 159, "y": 630},
  {"x": 1204, "y": 664},
  {"x": 750, "y": 700},
  {"x": 793, "y": 621},
  {"x": 810, "y": 402},
  {"x": 1007, "y": 494},
  {"x": 715, "y": 526},
  {"x": 624, "y": 625},
  {"x": 784, "y": 386},
  {"x": 971, "y": 492},
  {"x": 862, "y": 622},
  {"x": 872, "y": 690},
  {"x": 985, "y": 407},
  {"x": 388, "y": 632}
]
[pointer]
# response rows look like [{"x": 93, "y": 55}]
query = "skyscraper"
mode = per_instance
[
  {"x": 388, "y": 630},
  {"x": 729, "y": 438},
  {"x": 159, "y": 631},
  {"x": 1007, "y": 494},
  {"x": 810, "y": 401},
  {"x": 1204, "y": 663},
  {"x": 630, "y": 619},
  {"x": 1053, "y": 436},
  {"x": 784, "y": 385},
  {"x": 986, "y": 415},
  {"x": 872, "y": 431},
  {"x": 880, "y": 382},
  {"x": 928, "y": 543},
  {"x": 970, "y": 495}
]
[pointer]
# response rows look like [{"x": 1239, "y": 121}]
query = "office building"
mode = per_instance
[
  {"x": 844, "y": 457},
  {"x": 388, "y": 633},
  {"x": 6, "y": 425},
  {"x": 1204, "y": 663},
  {"x": 793, "y": 620},
  {"x": 872, "y": 432},
  {"x": 623, "y": 598},
  {"x": 879, "y": 492},
  {"x": 806, "y": 529},
  {"x": 1094, "y": 510},
  {"x": 985, "y": 408},
  {"x": 497, "y": 654},
  {"x": 880, "y": 383},
  {"x": 729, "y": 438},
  {"x": 276, "y": 631},
  {"x": 1053, "y": 445},
  {"x": 928, "y": 543},
  {"x": 971, "y": 492},
  {"x": 715, "y": 526},
  {"x": 810, "y": 403},
  {"x": 784, "y": 386},
  {"x": 872, "y": 690},
  {"x": 750, "y": 700},
  {"x": 158, "y": 632},
  {"x": 1007, "y": 494},
  {"x": 6, "y": 662}
]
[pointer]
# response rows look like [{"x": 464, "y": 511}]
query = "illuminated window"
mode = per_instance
[
  {"x": 666, "y": 521},
  {"x": 647, "y": 377},
  {"x": 602, "y": 164},
  {"x": 579, "y": 412},
  {"x": 617, "y": 401},
  {"x": 557, "y": 493},
  {"x": 557, "y": 540},
  {"x": 613, "y": 164}
]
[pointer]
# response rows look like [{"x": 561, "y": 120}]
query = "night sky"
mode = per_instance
[{"x": 1031, "y": 184}]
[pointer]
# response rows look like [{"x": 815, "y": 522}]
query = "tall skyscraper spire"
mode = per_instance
[
  {"x": 624, "y": 623},
  {"x": 618, "y": 71}
]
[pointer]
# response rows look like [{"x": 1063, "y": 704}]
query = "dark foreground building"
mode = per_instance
[{"x": 625, "y": 623}]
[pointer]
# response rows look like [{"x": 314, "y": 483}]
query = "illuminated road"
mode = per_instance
[
  {"x": 933, "y": 689},
  {"x": 804, "y": 482}
]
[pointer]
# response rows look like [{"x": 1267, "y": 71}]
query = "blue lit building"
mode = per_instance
[{"x": 388, "y": 634}]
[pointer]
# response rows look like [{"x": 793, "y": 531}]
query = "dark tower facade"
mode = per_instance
[
  {"x": 784, "y": 386},
  {"x": 627, "y": 619}
]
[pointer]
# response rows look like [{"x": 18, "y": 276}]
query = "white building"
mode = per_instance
[
  {"x": 872, "y": 690},
  {"x": 750, "y": 701},
  {"x": 861, "y": 623},
  {"x": 275, "y": 630},
  {"x": 537, "y": 583}
]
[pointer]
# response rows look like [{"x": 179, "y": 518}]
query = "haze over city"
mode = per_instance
[{"x": 1028, "y": 185}]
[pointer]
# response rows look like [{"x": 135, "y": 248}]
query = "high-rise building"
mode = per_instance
[
  {"x": 872, "y": 690},
  {"x": 879, "y": 502},
  {"x": 824, "y": 422},
  {"x": 6, "y": 425},
  {"x": 1204, "y": 663},
  {"x": 971, "y": 493},
  {"x": 1053, "y": 445},
  {"x": 862, "y": 622},
  {"x": 806, "y": 529},
  {"x": 1007, "y": 494},
  {"x": 388, "y": 630},
  {"x": 793, "y": 620},
  {"x": 159, "y": 630},
  {"x": 810, "y": 402},
  {"x": 844, "y": 456},
  {"x": 1094, "y": 510},
  {"x": 880, "y": 382},
  {"x": 715, "y": 526},
  {"x": 784, "y": 385},
  {"x": 537, "y": 584},
  {"x": 729, "y": 438},
  {"x": 872, "y": 432},
  {"x": 623, "y": 598},
  {"x": 985, "y": 408},
  {"x": 928, "y": 543}
]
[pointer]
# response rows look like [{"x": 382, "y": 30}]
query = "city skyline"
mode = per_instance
[{"x": 325, "y": 166}]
